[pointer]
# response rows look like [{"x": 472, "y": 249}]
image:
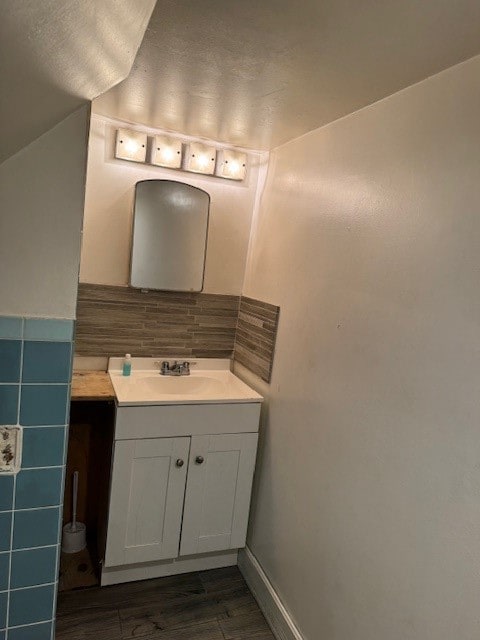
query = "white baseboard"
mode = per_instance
[{"x": 277, "y": 616}]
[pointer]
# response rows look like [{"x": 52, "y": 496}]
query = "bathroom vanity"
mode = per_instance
[{"x": 183, "y": 463}]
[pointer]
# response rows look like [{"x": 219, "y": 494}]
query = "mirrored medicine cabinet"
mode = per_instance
[{"x": 169, "y": 240}]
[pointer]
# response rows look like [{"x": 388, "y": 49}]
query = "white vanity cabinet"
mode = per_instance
[
  {"x": 217, "y": 499},
  {"x": 185, "y": 491},
  {"x": 146, "y": 500}
]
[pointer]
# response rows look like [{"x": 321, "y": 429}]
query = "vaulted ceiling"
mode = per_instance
[
  {"x": 57, "y": 54},
  {"x": 257, "y": 73},
  {"x": 250, "y": 73}
]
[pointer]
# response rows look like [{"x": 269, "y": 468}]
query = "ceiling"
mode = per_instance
[
  {"x": 57, "y": 54},
  {"x": 260, "y": 72}
]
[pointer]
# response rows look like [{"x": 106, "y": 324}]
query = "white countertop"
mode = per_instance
[{"x": 210, "y": 382}]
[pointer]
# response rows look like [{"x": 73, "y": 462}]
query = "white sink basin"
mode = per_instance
[
  {"x": 181, "y": 385},
  {"x": 209, "y": 382}
]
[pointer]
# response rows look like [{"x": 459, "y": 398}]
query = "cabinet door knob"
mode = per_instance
[
  {"x": 179, "y": 463},
  {"x": 199, "y": 459}
]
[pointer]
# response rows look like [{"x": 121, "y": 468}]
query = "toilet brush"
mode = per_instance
[{"x": 74, "y": 537}]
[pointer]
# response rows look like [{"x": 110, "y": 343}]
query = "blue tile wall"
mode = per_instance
[
  {"x": 31, "y": 605},
  {"x": 4, "y": 570},
  {"x": 43, "y": 447},
  {"x": 36, "y": 528},
  {"x": 10, "y": 360},
  {"x": 43, "y": 404},
  {"x": 11, "y": 328},
  {"x": 5, "y": 530},
  {"x": 6, "y": 493},
  {"x": 38, "y": 488},
  {"x": 42, "y": 631},
  {"x": 35, "y": 376},
  {"x": 8, "y": 403},
  {"x": 45, "y": 361},
  {"x": 32, "y": 567},
  {"x": 48, "y": 329},
  {"x": 3, "y": 609}
]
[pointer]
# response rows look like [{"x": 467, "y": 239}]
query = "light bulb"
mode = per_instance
[
  {"x": 167, "y": 153},
  {"x": 131, "y": 146},
  {"x": 234, "y": 167},
  {"x": 203, "y": 160},
  {"x": 232, "y": 164}
]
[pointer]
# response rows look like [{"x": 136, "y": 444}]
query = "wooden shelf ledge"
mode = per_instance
[{"x": 92, "y": 385}]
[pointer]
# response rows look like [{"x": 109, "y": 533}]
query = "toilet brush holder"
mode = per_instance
[{"x": 74, "y": 538}]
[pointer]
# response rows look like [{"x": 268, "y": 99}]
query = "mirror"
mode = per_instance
[{"x": 170, "y": 226}]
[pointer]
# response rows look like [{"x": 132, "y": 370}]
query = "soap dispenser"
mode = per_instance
[{"x": 127, "y": 365}]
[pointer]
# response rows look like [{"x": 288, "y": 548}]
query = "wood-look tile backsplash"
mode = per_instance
[
  {"x": 256, "y": 335},
  {"x": 112, "y": 321}
]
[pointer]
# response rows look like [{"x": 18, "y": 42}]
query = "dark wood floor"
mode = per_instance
[{"x": 210, "y": 605}]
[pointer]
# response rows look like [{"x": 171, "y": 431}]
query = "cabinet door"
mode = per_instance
[
  {"x": 217, "y": 498},
  {"x": 146, "y": 500}
]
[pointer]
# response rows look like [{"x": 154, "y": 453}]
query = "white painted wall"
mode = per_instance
[
  {"x": 367, "y": 509},
  {"x": 108, "y": 214},
  {"x": 41, "y": 203},
  {"x": 57, "y": 54}
]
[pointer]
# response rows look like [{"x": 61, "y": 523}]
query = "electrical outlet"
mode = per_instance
[{"x": 10, "y": 449}]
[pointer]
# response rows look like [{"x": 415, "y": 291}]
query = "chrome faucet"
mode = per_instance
[{"x": 176, "y": 369}]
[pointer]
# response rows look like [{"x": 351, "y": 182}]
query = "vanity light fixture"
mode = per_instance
[
  {"x": 131, "y": 145},
  {"x": 232, "y": 164},
  {"x": 201, "y": 158},
  {"x": 166, "y": 152}
]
